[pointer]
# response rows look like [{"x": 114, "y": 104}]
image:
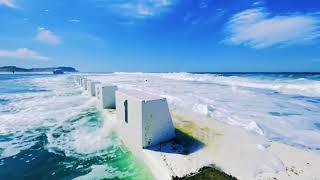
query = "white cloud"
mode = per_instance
[
  {"x": 138, "y": 8},
  {"x": 8, "y": 3},
  {"x": 258, "y": 3},
  {"x": 47, "y": 36},
  {"x": 23, "y": 53},
  {"x": 74, "y": 20},
  {"x": 144, "y": 11},
  {"x": 256, "y": 28}
]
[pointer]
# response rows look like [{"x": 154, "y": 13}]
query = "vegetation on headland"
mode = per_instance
[{"x": 47, "y": 69}]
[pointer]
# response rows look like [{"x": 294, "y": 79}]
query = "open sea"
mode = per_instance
[{"x": 50, "y": 130}]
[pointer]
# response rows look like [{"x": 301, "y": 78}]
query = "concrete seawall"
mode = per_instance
[
  {"x": 201, "y": 143},
  {"x": 143, "y": 123}
]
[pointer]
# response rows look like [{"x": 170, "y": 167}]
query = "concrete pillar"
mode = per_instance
[
  {"x": 84, "y": 83},
  {"x": 106, "y": 95},
  {"x": 91, "y": 87},
  {"x": 144, "y": 119},
  {"x": 78, "y": 78}
]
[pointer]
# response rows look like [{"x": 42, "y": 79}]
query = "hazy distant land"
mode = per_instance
[{"x": 46, "y": 69}]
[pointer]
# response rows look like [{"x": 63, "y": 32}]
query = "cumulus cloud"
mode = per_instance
[
  {"x": 8, "y": 3},
  {"x": 256, "y": 28},
  {"x": 47, "y": 36},
  {"x": 23, "y": 53}
]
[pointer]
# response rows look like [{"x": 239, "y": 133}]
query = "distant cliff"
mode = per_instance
[{"x": 48, "y": 69}]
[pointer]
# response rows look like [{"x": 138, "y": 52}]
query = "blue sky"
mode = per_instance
[{"x": 161, "y": 35}]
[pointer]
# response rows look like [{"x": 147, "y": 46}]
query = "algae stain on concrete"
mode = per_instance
[
  {"x": 188, "y": 127},
  {"x": 203, "y": 134}
]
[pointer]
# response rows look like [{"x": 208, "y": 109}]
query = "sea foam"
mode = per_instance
[
  {"x": 282, "y": 108},
  {"x": 55, "y": 106}
]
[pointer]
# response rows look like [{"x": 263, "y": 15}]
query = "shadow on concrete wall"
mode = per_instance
[{"x": 182, "y": 144}]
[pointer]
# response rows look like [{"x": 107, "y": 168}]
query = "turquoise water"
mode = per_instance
[{"x": 49, "y": 130}]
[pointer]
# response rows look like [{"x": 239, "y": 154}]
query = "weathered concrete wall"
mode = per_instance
[
  {"x": 106, "y": 95},
  {"x": 144, "y": 119},
  {"x": 157, "y": 124}
]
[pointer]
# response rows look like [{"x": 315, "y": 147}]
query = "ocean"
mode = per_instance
[{"x": 50, "y": 130}]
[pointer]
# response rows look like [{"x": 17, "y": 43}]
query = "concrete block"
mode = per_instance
[
  {"x": 144, "y": 119},
  {"x": 106, "y": 95},
  {"x": 78, "y": 79},
  {"x": 91, "y": 87},
  {"x": 84, "y": 83}
]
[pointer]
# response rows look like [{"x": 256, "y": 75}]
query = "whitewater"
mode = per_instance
[
  {"x": 47, "y": 119},
  {"x": 282, "y": 107},
  {"x": 50, "y": 130}
]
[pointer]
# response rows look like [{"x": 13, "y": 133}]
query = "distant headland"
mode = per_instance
[{"x": 46, "y": 69}]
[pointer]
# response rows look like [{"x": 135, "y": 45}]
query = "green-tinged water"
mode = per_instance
[{"x": 49, "y": 130}]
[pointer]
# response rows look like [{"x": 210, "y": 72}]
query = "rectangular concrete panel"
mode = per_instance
[
  {"x": 144, "y": 119},
  {"x": 91, "y": 87},
  {"x": 157, "y": 124},
  {"x": 106, "y": 95},
  {"x": 88, "y": 84},
  {"x": 98, "y": 91},
  {"x": 80, "y": 80},
  {"x": 84, "y": 83}
]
